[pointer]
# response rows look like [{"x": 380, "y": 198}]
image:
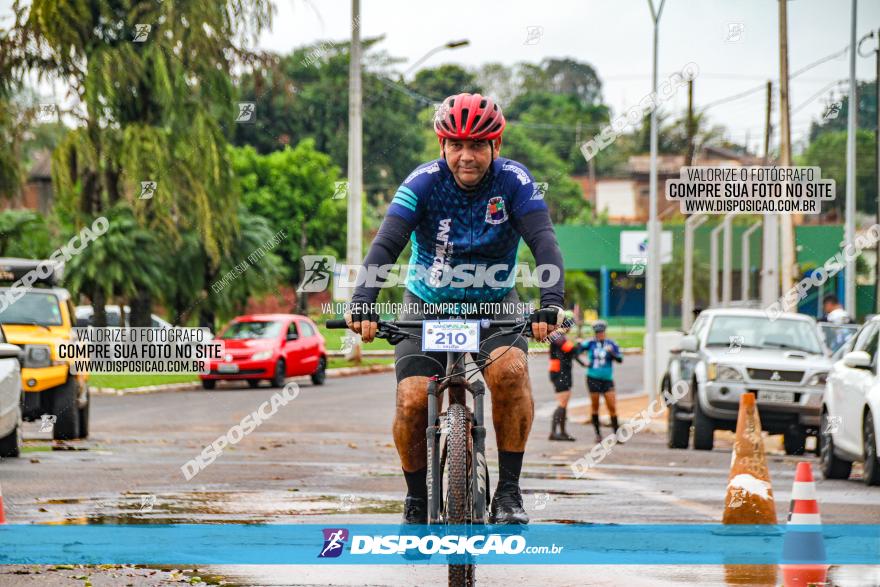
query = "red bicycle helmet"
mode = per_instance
[{"x": 470, "y": 117}]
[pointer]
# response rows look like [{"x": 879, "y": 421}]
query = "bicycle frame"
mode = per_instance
[{"x": 457, "y": 386}]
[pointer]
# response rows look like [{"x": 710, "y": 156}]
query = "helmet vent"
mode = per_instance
[{"x": 482, "y": 103}]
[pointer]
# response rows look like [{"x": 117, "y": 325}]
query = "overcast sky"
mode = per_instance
[{"x": 615, "y": 37}]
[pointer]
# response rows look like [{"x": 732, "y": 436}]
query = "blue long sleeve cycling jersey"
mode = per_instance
[
  {"x": 476, "y": 230},
  {"x": 600, "y": 355}
]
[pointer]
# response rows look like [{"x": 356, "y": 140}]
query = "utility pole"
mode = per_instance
[
  {"x": 787, "y": 220},
  {"x": 877, "y": 164},
  {"x": 850, "y": 219},
  {"x": 770, "y": 236},
  {"x": 691, "y": 130},
  {"x": 768, "y": 127},
  {"x": 877, "y": 156},
  {"x": 652, "y": 293},
  {"x": 354, "y": 219}
]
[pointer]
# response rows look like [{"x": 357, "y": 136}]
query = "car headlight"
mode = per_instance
[
  {"x": 724, "y": 373},
  {"x": 262, "y": 356},
  {"x": 37, "y": 356},
  {"x": 818, "y": 379}
]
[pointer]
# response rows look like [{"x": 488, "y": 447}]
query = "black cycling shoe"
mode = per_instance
[
  {"x": 415, "y": 510},
  {"x": 507, "y": 507}
]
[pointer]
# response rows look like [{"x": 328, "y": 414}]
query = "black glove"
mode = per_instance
[
  {"x": 549, "y": 315},
  {"x": 364, "y": 312}
]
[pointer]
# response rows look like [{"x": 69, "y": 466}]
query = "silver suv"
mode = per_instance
[{"x": 729, "y": 352}]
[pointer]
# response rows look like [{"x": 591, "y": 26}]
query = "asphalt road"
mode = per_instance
[{"x": 327, "y": 457}]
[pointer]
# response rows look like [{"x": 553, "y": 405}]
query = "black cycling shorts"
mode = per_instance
[
  {"x": 410, "y": 361},
  {"x": 599, "y": 385},
  {"x": 561, "y": 380}
]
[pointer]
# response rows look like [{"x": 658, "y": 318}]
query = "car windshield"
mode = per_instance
[
  {"x": 837, "y": 335},
  {"x": 39, "y": 308},
  {"x": 761, "y": 332},
  {"x": 239, "y": 330}
]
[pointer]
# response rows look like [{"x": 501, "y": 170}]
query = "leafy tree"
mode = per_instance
[
  {"x": 835, "y": 120},
  {"x": 559, "y": 121},
  {"x": 24, "y": 233},
  {"x": 439, "y": 82},
  {"x": 119, "y": 264},
  {"x": 564, "y": 196},
  {"x": 564, "y": 77},
  {"x": 828, "y": 151},
  {"x": 152, "y": 107},
  {"x": 293, "y": 189},
  {"x": 306, "y": 96}
]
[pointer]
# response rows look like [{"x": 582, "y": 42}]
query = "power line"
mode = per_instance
[{"x": 763, "y": 86}]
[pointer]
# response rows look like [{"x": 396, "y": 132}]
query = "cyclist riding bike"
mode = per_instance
[{"x": 469, "y": 208}]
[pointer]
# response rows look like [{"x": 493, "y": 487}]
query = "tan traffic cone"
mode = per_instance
[
  {"x": 804, "y": 543},
  {"x": 749, "y": 493},
  {"x": 2, "y": 515}
]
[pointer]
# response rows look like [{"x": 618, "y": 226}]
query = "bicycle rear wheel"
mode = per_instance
[{"x": 458, "y": 495}]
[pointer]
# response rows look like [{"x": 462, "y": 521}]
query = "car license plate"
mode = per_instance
[
  {"x": 227, "y": 368},
  {"x": 451, "y": 335},
  {"x": 785, "y": 397}
]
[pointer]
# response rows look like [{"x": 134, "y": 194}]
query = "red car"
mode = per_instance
[{"x": 269, "y": 346}]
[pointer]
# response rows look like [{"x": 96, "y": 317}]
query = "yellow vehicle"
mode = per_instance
[{"x": 37, "y": 315}]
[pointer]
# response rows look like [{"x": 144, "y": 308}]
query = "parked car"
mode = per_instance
[
  {"x": 10, "y": 398},
  {"x": 38, "y": 320},
  {"x": 836, "y": 336},
  {"x": 269, "y": 346},
  {"x": 85, "y": 317},
  {"x": 729, "y": 352},
  {"x": 850, "y": 428}
]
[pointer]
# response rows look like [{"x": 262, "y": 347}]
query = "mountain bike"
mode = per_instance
[{"x": 456, "y": 438}]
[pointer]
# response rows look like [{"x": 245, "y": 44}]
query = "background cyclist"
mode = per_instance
[
  {"x": 472, "y": 207},
  {"x": 562, "y": 352},
  {"x": 601, "y": 351}
]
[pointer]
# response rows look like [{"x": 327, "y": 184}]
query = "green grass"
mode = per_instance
[
  {"x": 125, "y": 381},
  {"x": 336, "y": 362},
  {"x": 333, "y": 340}
]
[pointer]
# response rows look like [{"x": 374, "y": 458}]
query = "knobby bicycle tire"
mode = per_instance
[{"x": 458, "y": 422}]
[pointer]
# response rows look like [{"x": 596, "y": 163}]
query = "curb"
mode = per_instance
[{"x": 192, "y": 386}]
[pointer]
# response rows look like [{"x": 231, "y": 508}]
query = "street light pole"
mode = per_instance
[
  {"x": 354, "y": 218},
  {"x": 786, "y": 220},
  {"x": 423, "y": 58},
  {"x": 850, "y": 226},
  {"x": 652, "y": 297}
]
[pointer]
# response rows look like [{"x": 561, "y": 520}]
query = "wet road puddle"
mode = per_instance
[{"x": 226, "y": 507}]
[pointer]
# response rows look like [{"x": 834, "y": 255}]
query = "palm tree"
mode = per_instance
[{"x": 120, "y": 264}]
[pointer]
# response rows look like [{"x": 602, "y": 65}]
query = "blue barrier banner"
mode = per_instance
[{"x": 556, "y": 544}]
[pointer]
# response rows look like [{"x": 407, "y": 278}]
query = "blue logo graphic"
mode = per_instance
[{"x": 334, "y": 542}]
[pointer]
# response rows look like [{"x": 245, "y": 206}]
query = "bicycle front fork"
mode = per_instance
[{"x": 479, "y": 470}]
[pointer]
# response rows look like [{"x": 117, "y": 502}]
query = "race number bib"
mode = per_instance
[{"x": 451, "y": 335}]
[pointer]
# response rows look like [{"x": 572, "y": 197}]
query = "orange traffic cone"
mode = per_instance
[
  {"x": 803, "y": 544},
  {"x": 2, "y": 515},
  {"x": 749, "y": 493}
]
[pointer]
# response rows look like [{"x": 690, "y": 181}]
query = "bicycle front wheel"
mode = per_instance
[{"x": 458, "y": 485}]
